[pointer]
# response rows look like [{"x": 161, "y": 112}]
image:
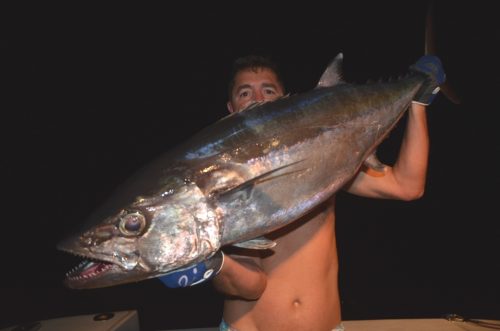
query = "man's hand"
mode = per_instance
[
  {"x": 430, "y": 66},
  {"x": 194, "y": 274}
]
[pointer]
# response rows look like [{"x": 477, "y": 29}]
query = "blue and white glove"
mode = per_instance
[
  {"x": 430, "y": 66},
  {"x": 195, "y": 273}
]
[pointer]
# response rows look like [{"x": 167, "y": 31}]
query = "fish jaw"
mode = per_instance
[
  {"x": 96, "y": 274},
  {"x": 179, "y": 230},
  {"x": 107, "y": 262}
]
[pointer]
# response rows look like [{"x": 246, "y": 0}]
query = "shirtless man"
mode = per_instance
[{"x": 295, "y": 286}]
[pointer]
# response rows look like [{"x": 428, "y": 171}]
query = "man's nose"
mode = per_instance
[{"x": 258, "y": 96}]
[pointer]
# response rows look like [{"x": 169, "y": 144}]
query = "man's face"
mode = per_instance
[{"x": 254, "y": 86}]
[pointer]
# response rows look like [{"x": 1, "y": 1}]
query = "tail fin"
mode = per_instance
[{"x": 430, "y": 49}]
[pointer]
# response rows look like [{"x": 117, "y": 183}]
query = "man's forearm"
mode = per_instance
[{"x": 410, "y": 169}]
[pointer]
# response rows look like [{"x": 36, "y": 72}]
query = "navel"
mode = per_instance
[{"x": 297, "y": 303}]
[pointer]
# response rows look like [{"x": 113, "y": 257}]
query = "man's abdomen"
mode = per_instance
[{"x": 302, "y": 284}]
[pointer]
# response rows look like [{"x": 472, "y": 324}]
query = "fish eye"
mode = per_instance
[{"x": 132, "y": 223}]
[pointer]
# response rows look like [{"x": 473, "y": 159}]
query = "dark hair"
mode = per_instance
[{"x": 253, "y": 62}]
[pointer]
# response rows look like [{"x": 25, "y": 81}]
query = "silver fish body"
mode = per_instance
[{"x": 239, "y": 179}]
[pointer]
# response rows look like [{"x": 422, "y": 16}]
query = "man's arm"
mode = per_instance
[
  {"x": 406, "y": 179},
  {"x": 241, "y": 276}
]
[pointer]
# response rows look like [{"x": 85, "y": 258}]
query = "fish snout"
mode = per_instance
[
  {"x": 98, "y": 235},
  {"x": 69, "y": 244}
]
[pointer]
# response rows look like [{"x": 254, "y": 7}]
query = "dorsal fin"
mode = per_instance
[{"x": 333, "y": 73}]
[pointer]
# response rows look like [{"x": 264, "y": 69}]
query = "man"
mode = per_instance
[{"x": 294, "y": 286}]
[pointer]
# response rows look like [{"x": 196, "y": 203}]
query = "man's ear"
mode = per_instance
[{"x": 230, "y": 107}]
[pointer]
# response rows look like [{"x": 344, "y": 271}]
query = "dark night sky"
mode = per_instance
[{"x": 93, "y": 92}]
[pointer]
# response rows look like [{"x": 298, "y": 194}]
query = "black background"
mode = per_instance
[{"x": 91, "y": 92}]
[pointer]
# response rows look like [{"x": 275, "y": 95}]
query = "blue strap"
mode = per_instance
[{"x": 187, "y": 276}]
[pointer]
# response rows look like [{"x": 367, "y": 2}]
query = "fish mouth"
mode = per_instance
[
  {"x": 91, "y": 270},
  {"x": 88, "y": 270}
]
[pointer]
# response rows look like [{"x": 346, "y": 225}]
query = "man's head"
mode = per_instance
[{"x": 254, "y": 79}]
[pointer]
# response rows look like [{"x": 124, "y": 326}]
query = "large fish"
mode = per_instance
[{"x": 240, "y": 178}]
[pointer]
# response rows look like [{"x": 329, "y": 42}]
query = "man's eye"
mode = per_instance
[
  {"x": 270, "y": 92},
  {"x": 244, "y": 94}
]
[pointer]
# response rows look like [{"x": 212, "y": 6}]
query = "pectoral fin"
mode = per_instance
[
  {"x": 257, "y": 243},
  {"x": 244, "y": 190}
]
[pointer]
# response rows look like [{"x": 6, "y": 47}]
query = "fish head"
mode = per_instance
[{"x": 148, "y": 238}]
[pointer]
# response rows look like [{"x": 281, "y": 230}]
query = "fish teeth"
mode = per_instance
[{"x": 87, "y": 263}]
